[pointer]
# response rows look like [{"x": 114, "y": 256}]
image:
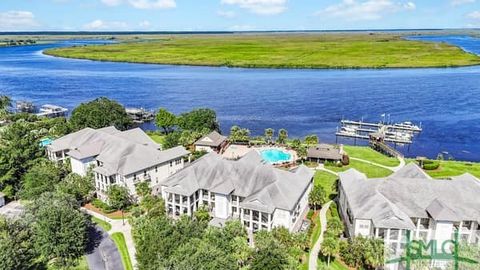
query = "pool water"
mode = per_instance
[
  {"x": 45, "y": 142},
  {"x": 275, "y": 156}
]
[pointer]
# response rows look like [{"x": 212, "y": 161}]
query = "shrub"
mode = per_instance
[
  {"x": 102, "y": 206},
  {"x": 430, "y": 165}
]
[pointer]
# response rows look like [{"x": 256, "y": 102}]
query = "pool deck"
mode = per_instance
[{"x": 235, "y": 151}]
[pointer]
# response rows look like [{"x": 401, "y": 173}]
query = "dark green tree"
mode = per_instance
[
  {"x": 165, "y": 120},
  {"x": 199, "y": 120},
  {"x": 42, "y": 177},
  {"x": 118, "y": 197},
  {"x": 172, "y": 140},
  {"x": 16, "y": 245},
  {"x": 5, "y": 103},
  {"x": 82, "y": 187},
  {"x": 99, "y": 113},
  {"x": 19, "y": 144},
  {"x": 60, "y": 228},
  {"x": 269, "y": 255}
]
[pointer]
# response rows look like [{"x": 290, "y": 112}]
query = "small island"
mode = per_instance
[{"x": 279, "y": 50}]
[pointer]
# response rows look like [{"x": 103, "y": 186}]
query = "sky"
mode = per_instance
[{"x": 235, "y": 15}]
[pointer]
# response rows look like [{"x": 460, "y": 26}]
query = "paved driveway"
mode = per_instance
[{"x": 102, "y": 253}]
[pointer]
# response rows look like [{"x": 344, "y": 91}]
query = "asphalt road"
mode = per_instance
[{"x": 102, "y": 253}]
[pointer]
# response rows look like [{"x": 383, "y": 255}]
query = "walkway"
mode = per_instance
[
  {"x": 394, "y": 169},
  {"x": 118, "y": 226},
  {"x": 312, "y": 261},
  {"x": 321, "y": 167}
]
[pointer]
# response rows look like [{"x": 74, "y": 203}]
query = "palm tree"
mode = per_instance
[
  {"x": 282, "y": 135},
  {"x": 269, "y": 134},
  {"x": 317, "y": 197},
  {"x": 330, "y": 246},
  {"x": 335, "y": 225}
]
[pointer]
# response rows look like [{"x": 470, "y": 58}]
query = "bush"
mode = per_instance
[
  {"x": 102, "y": 206},
  {"x": 431, "y": 165}
]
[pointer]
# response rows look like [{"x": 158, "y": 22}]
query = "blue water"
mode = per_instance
[
  {"x": 275, "y": 156},
  {"x": 446, "y": 101}
]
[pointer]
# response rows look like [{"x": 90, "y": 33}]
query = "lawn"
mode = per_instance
[
  {"x": 119, "y": 240},
  {"x": 103, "y": 224},
  {"x": 371, "y": 171},
  {"x": 314, "y": 50},
  {"x": 454, "y": 168},
  {"x": 327, "y": 181},
  {"x": 369, "y": 154},
  {"x": 158, "y": 138}
]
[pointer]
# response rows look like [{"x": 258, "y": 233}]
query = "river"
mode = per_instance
[{"x": 445, "y": 100}]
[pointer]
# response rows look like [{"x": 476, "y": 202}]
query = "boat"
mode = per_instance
[
  {"x": 51, "y": 111},
  {"x": 140, "y": 115},
  {"x": 22, "y": 106},
  {"x": 348, "y": 130}
]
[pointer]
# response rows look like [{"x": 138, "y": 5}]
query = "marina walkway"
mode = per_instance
[
  {"x": 118, "y": 226},
  {"x": 312, "y": 261}
]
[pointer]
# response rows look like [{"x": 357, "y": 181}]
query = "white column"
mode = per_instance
[{"x": 189, "y": 212}]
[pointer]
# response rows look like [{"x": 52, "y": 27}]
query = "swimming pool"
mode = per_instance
[{"x": 275, "y": 156}]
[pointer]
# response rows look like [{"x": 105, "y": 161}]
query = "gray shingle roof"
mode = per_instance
[
  {"x": 324, "y": 151},
  {"x": 264, "y": 187},
  {"x": 120, "y": 152},
  {"x": 411, "y": 193},
  {"x": 213, "y": 139}
]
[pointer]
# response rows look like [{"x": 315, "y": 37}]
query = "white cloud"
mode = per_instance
[
  {"x": 461, "y": 2},
  {"x": 17, "y": 20},
  {"x": 243, "y": 27},
  {"x": 474, "y": 15},
  {"x": 358, "y": 10},
  {"x": 226, "y": 13},
  {"x": 143, "y": 4},
  {"x": 262, "y": 7},
  {"x": 105, "y": 25},
  {"x": 152, "y": 4},
  {"x": 112, "y": 2}
]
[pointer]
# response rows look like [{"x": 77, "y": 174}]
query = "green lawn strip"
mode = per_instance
[
  {"x": 103, "y": 224},
  {"x": 369, "y": 154},
  {"x": 160, "y": 139},
  {"x": 370, "y": 170},
  {"x": 119, "y": 240},
  {"x": 81, "y": 265},
  {"x": 449, "y": 168},
  {"x": 327, "y": 181},
  {"x": 335, "y": 50}
]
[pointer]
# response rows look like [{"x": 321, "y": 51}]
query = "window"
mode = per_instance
[
  {"x": 145, "y": 173},
  {"x": 171, "y": 163},
  {"x": 234, "y": 198},
  {"x": 234, "y": 210},
  {"x": 156, "y": 169},
  {"x": 264, "y": 218},
  {"x": 394, "y": 234},
  {"x": 467, "y": 225},
  {"x": 178, "y": 161},
  {"x": 134, "y": 176}
]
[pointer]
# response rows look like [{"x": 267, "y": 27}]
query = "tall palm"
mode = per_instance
[
  {"x": 330, "y": 247},
  {"x": 269, "y": 134},
  {"x": 282, "y": 135}
]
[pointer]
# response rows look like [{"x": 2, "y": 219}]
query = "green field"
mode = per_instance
[
  {"x": 335, "y": 50},
  {"x": 454, "y": 168},
  {"x": 119, "y": 240},
  {"x": 371, "y": 171},
  {"x": 369, "y": 154}
]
